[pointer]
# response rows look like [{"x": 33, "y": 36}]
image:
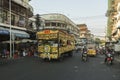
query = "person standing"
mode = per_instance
[{"x": 24, "y": 53}]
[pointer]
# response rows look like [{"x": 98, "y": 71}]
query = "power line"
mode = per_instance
[{"x": 88, "y": 17}]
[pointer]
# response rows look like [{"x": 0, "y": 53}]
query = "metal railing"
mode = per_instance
[{"x": 24, "y": 4}]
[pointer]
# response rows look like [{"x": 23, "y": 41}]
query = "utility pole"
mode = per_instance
[{"x": 10, "y": 28}]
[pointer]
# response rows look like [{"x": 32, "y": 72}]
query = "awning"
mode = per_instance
[
  {"x": 21, "y": 41},
  {"x": 3, "y": 31},
  {"x": 21, "y": 34},
  {"x": 17, "y": 33}
]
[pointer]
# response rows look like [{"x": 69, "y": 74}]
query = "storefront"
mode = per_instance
[{"x": 16, "y": 35}]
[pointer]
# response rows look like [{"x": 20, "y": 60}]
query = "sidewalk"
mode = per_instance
[{"x": 10, "y": 60}]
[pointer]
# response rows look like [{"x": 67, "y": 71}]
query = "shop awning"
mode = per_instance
[
  {"x": 3, "y": 31},
  {"x": 21, "y": 34},
  {"x": 17, "y": 33}
]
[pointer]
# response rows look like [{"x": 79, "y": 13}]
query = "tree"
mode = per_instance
[
  {"x": 97, "y": 41},
  {"x": 37, "y": 22}
]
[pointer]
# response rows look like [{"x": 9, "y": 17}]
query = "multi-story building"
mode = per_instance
[
  {"x": 90, "y": 37},
  {"x": 83, "y": 30},
  {"x": 14, "y": 15},
  {"x": 118, "y": 22},
  {"x": 113, "y": 14},
  {"x": 57, "y": 21},
  {"x": 85, "y": 34}
]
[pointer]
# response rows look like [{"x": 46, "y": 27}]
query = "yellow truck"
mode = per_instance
[{"x": 54, "y": 44}]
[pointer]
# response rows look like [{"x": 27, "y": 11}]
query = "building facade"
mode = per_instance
[
  {"x": 85, "y": 34},
  {"x": 113, "y": 14},
  {"x": 14, "y": 14},
  {"x": 57, "y": 21},
  {"x": 83, "y": 30},
  {"x": 14, "y": 23}
]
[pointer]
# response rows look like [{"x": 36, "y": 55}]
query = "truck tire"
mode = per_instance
[{"x": 70, "y": 54}]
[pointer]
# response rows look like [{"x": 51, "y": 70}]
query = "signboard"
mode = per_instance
[
  {"x": 47, "y": 31},
  {"x": 47, "y": 36}
]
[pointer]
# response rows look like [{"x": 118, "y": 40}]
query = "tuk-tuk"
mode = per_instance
[{"x": 91, "y": 49}]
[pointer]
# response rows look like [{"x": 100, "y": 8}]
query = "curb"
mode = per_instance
[
  {"x": 4, "y": 61},
  {"x": 7, "y": 61}
]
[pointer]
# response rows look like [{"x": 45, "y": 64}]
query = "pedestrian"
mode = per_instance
[
  {"x": 7, "y": 53},
  {"x": 24, "y": 52},
  {"x": 4, "y": 53},
  {"x": 16, "y": 54},
  {"x": 36, "y": 53},
  {"x": 21, "y": 52}
]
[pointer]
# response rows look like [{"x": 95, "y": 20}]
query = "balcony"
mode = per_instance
[
  {"x": 113, "y": 2},
  {"x": 113, "y": 9},
  {"x": 24, "y": 4},
  {"x": 111, "y": 23},
  {"x": 111, "y": 12},
  {"x": 107, "y": 13},
  {"x": 52, "y": 27},
  {"x": 117, "y": 1}
]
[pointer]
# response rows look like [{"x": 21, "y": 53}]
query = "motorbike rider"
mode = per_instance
[
  {"x": 84, "y": 53},
  {"x": 108, "y": 53}
]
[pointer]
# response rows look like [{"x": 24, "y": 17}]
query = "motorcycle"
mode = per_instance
[
  {"x": 109, "y": 59},
  {"x": 84, "y": 56}
]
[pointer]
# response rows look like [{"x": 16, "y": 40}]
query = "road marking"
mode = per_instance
[{"x": 75, "y": 66}]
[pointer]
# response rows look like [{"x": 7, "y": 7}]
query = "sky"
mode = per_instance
[{"x": 90, "y": 12}]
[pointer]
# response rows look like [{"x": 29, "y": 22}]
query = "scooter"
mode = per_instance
[
  {"x": 109, "y": 59},
  {"x": 84, "y": 56}
]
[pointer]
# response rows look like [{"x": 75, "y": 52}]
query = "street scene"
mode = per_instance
[{"x": 54, "y": 40}]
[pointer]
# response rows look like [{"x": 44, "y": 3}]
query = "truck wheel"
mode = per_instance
[
  {"x": 45, "y": 60},
  {"x": 70, "y": 54}
]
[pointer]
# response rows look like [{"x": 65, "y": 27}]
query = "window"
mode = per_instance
[
  {"x": 119, "y": 8},
  {"x": 53, "y": 24},
  {"x": 68, "y": 42},
  {"x": 21, "y": 21},
  {"x": 4, "y": 16},
  {"x": 47, "y": 24},
  {"x": 1, "y": 3},
  {"x": 59, "y": 24},
  {"x": 1, "y": 15},
  {"x": 12, "y": 19},
  {"x": 63, "y": 25}
]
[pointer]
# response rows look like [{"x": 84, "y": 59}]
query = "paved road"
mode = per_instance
[{"x": 72, "y": 68}]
